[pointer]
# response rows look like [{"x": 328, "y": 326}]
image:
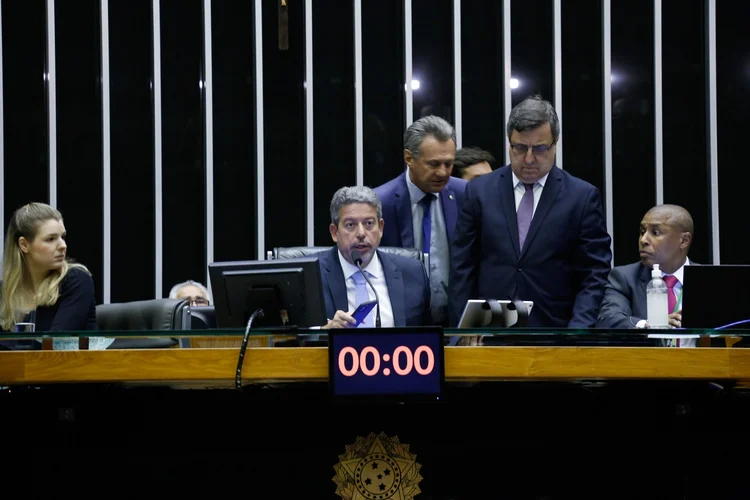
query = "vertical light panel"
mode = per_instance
[
  {"x": 507, "y": 100},
  {"x": 457, "y": 103},
  {"x": 208, "y": 90},
  {"x": 52, "y": 103},
  {"x": 409, "y": 101},
  {"x": 607, "y": 82},
  {"x": 2, "y": 139},
  {"x": 658, "y": 106},
  {"x": 309, "y": 126},
  {"x": 713, "y": 137},
  {"x": 259, "y": 136},
  {"x": 158, "y": 236},
  {"x": 106, "y": 162},
  {"x": 358, "y": 110},
  {"x": 557, "y": 22}
]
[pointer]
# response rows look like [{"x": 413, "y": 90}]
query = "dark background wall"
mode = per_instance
[{"x": 78, "y": 155}]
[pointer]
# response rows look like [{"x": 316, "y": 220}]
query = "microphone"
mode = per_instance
[
  {"x": 357, "y": 259},
  {"x": 238, "y": 374}
]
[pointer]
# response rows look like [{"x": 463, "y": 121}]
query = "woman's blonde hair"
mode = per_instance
[{"x": 18, "y": 294}]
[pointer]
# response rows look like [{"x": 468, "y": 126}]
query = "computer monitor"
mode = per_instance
[
  {"x": 289, "y": 291},
  {"x": 479, "y": 313},
  {"x": 715, "y": 296}
]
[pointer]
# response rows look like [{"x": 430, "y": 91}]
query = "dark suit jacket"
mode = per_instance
[
  {"x": 624, "y": 302},
  {"x": 564, "y": 263},
  {"x": 75, "y": 309},
  {"x": 399, "y": 226},
  {"x": 408, "y": 287}
]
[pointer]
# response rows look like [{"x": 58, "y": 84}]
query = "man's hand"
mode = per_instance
[
  {"x": 340, "y": 320},
  {"x": 675, "y": 319}
]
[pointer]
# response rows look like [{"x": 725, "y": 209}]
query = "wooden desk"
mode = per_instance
[
  {"x": 530, "y": 435},
  {"x": 217, "y": 366}
]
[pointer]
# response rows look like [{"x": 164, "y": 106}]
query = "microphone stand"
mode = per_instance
[
  {"x": 357, "y": 258},
  {"x": 238, "y": 375}
]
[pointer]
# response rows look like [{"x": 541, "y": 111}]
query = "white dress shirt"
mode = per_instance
[
  {"x": 519, "y": 190},
  {"x": 377, "y": 278}
]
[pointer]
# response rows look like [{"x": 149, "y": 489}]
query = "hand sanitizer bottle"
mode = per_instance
[{"x": 656, "y": 300}]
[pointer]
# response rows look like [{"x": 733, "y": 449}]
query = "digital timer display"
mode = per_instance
[{"x": 386, "y": 362}]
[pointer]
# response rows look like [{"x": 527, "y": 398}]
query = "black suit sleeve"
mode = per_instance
[
  {"x": 592, "y": 262},
  {"x": 464, "y": 254},
  {"x": 75, "y": 303},
  {"x": 617, "y": 310}
]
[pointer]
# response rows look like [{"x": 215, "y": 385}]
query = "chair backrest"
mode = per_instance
[
  {"x": 293, "y": 252},
  {"x": 156, "y": 314}
]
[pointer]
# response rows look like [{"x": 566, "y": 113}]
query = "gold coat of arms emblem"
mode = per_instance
[{"x": 377, "y": 467}]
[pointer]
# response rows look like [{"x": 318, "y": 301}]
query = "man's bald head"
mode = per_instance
[
  {"x": 677, "y": 217},
  {"x": 665, "y": 237}
]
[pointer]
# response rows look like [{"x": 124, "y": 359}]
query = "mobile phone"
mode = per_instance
[{"x": 361, "y": 312}]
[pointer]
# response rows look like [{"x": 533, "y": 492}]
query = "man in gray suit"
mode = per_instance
[{"x": 666, "y": 235}]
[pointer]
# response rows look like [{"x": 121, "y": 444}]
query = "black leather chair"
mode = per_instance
[
  {"x": 293, "y": 252},
  {"x": 144, "y": 315}
]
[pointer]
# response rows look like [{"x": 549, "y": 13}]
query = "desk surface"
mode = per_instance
[{"x": 216, "y": 367}]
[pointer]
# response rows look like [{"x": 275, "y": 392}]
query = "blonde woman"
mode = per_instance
[{"x": 37, "y": 276}]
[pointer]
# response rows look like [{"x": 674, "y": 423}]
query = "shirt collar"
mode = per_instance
[
  {"x": 374, "y": 268},
  {"x": 680, "y": 272},
  {"x": 415, "y": 193},
  {"x": 541, "y": 181}
]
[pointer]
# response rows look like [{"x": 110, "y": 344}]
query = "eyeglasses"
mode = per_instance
[
  {"x": 197, "y": 301},
  {"x": 538, "y": 150}
]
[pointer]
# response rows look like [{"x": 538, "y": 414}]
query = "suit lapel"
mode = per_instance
[
  {"x": 644, "y": 278},
  {"x": 395, "y": 284},
  {"x": 403, "y": 213},
  {"x": 336, "y": 281},
  {"x": 549, "y": 195},
  {"x": 508, "y": 200},
  {"x": 450, "y": 211}
]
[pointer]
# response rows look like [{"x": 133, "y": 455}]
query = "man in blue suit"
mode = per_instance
[
  {"x": 401, "y": 282},
  {"x": 531, "y": 231},
  {"x": 420, "y": 206}
]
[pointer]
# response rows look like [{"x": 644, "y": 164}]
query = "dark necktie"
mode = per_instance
[
  {"x": 426, "y": 221},
  {"x": 525, "y": 213}
]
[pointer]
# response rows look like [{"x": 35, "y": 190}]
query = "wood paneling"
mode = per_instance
[{"x": 210, "y": 366}]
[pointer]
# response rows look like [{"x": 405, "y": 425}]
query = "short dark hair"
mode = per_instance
[
  {"x": 466, "y": 157},
  {"x": 531, "y": 113}
]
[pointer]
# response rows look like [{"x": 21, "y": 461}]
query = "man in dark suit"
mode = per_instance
[
  {"x": 421, "y": 205},
  {"x": 666, "y": 236},
  {"x": 401, "y": 282},
  {"x": 530, "y": 231}
]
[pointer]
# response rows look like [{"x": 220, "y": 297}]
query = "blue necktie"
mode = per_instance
[
  {"x": 361, "y": 295},
  {"x": 525, "y": 213},
  {"x": 426, "y": 221}
]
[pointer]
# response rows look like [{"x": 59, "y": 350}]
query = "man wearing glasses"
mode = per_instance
[
  {"x": 531, "y": 231},
  {"x": 192, "y": 291}
]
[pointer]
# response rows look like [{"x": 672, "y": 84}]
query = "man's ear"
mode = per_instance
[
  {"x": 23, "y": 244},
  {"x": 685, "y": 240},
  {"x": 334, "y": 230},
  {"x": 408, "y": 157}
]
